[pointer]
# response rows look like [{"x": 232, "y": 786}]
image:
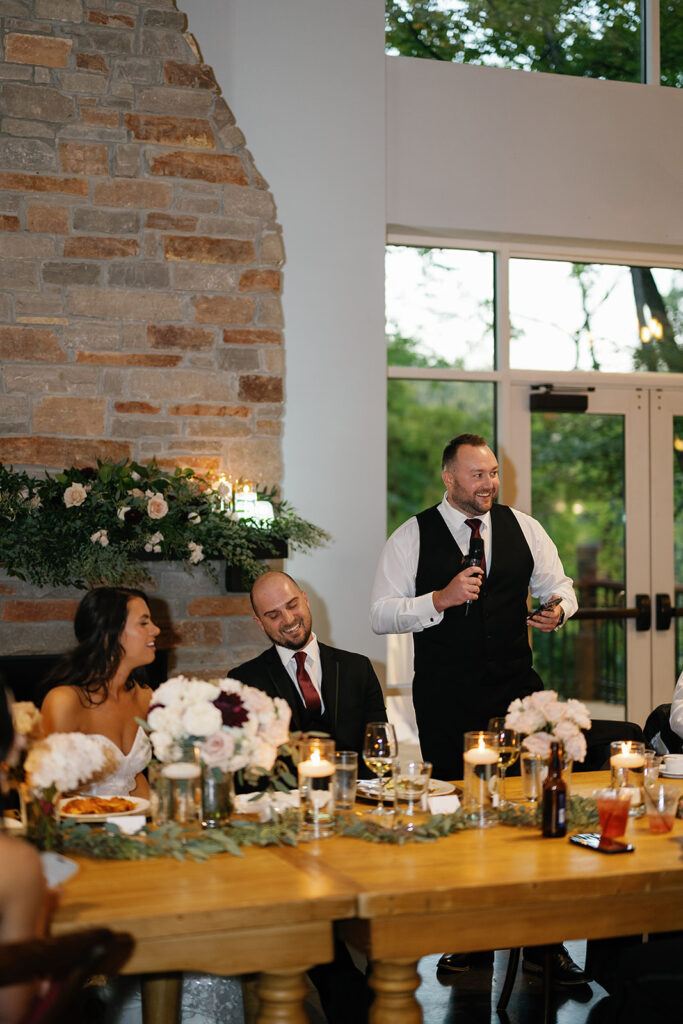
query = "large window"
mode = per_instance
[
  {"x": 588, "y": 316},
  {"x": 586, "y": 38}
]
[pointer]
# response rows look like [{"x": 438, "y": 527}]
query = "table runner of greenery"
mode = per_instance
[{"x": 172, "y": 840}]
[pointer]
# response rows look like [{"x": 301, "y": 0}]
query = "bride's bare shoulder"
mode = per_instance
[{"x": 60, "y": 708}]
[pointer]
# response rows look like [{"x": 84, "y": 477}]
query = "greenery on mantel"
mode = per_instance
[{"x": 95, "y": 525}]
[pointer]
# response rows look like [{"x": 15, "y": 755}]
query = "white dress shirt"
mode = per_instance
[
  {"x": 394, "y": 607},
  {"x": 676, "y": 717},
  {"x": 312, "y": 663}
]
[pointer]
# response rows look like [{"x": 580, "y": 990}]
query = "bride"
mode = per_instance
[{"x": 99, "y": 688}]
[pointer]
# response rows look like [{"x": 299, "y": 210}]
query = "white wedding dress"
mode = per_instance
[{"x": 207, "y": 998}]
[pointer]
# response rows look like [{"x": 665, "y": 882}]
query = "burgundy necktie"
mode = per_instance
[
  {"x": 308, "y": 691},
  {"x": 474, "y": 525}
]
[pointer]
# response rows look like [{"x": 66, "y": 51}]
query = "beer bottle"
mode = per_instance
[{"x": 554, "y": 797}]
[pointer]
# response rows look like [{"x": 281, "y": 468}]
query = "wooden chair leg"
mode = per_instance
[{"x": 509, "y": 983}]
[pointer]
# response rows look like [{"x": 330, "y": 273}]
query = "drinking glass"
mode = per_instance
[
  {"x": 613, "y": 809},
  {"x": 661, "y": 803},
  {"x": 509, "y": 746},
  {"x": 379, "y": 750}
]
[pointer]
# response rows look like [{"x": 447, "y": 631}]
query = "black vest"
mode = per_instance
[{"x": 489, "y": 645}]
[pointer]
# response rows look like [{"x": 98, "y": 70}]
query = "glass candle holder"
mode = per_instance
[
  {"x": 627, "y": 763},
  {"x": 316, "y": 787},
  {"x": 480, "y": 798}
]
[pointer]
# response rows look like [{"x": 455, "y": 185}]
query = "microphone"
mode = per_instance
[{"x": 474, "y": 558}]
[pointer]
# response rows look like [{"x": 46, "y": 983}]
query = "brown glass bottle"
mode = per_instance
[{"x": 554, "y": 797}]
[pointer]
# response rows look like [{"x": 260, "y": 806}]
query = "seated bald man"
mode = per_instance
[{"x": 334, "y": 691}]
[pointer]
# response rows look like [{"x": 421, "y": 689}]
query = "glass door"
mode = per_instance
[{"x": 607, "y": 485}]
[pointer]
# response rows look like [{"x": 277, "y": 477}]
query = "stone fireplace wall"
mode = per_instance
[{"x": 140, "y": 280}]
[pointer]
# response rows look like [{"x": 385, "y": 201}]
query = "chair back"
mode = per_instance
[
  {"x": 602, "y": 732},
  {"x": 68, "y": 961},
  {"x": 659, "y": 734}
]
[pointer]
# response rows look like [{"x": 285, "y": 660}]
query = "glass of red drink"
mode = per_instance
[{"x": 613, "y": 808}]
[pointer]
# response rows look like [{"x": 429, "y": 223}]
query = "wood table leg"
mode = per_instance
[
  {"x": 281, "y": 995},
  {"x": 161, "y": 997},
  {"x": 394, "y": 983}
]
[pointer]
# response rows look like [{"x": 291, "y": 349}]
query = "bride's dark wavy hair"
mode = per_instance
[{"x": 99, "y": 622}]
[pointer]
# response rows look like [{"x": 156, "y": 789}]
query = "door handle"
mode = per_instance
[
  {"x": 664, "y": 611},
  {"x": 642, "y": 613}
]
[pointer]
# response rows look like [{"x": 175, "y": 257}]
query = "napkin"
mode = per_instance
[
  {"x": 268, "y": 805},
  {"x": 129, "y": 824},
  {"x": 443, "y": 804}
]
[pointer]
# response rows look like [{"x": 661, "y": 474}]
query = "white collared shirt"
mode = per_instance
[
  {"x": 394, "y": 607},
  {"x": 313, "y": 666}
]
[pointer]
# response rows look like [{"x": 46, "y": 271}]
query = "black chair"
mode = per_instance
[
  {"x": 602, "y": 732},
  {"x": 658, "y": 732},
  {"x": 68, "y": 961}
]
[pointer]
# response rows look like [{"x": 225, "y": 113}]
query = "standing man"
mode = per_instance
[
  {"x": 328, "y": 690},
  {"x": 469, "y": 625}
]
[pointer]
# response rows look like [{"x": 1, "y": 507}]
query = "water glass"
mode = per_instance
[
  {"x": 410, "y": 780},
  {"x": 534, "y": 768},
  {"x": 159, "y": 794},
  {"x": 316, "y": 787},
  {"x": 661, "y": 804},
  {"x": 185, "y": 791},
  {"x": 345, "y": 779}
]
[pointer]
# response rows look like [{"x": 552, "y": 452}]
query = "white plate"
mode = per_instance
[
  {"x": 670, "y": 775},
  {"x": 368, "y": 788},
  {"x": 140, "y": 807}
]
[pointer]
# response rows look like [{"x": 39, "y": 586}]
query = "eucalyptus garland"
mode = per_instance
[{"x": 172, "y": 840}]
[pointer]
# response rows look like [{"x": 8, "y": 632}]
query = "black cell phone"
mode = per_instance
[
  {"x": 552, "y": 603},
  {"x": 603, "y": 844}
]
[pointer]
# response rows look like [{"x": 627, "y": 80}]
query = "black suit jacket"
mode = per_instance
[{"x": 351, "y": 694}]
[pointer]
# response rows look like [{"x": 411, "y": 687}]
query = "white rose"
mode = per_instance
[
  {"x": 121, "y": 513},
  {"x": 202, "y": 719},
  {"x": 136, "y": 493},
  {"x": 100, "y": 537},
  {"x": 196, "y": 552},
  {"x": 156, "y": 506},
  {"x": 194, "y": 517},
  {"x": 75, "y": 495}
]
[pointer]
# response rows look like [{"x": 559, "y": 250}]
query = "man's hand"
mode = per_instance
[
  {"x": 463, "y": 587},
  {"x": 548, "y": 620}
]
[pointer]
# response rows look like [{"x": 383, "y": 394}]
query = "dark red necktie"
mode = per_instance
[
  {"x": 474, "y": 525},
  {"x": 308, "y": 691}
]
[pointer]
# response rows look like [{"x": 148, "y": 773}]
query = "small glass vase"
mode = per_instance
[
  {"x": 218, "y": 797},
  {"x": 41, "y": 818}
]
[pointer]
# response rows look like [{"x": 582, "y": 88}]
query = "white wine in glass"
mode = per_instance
[
  {"x": 509, "y": 747},
  {"x": 379, "y": 751}
]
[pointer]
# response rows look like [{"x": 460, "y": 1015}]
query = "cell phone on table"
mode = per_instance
[
  {"x": 603, "y": 844},
  {"x": 552, "y": 603}
]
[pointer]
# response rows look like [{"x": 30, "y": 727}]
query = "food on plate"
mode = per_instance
[{"x": 98, "y": 805}]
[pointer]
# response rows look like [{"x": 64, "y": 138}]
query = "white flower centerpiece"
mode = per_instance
[
  {"x": 542, "y": 717},
  {"x": 55, "y": 765},
  {"x": 231, "y": 728}
]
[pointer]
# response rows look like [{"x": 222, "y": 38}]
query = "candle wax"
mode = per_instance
[
  {"x": 627, "y": 760},
  {"x": 316, "y": 769},
  {"x": 181, "y": 770},
  {"x": 481, "y": 755}
]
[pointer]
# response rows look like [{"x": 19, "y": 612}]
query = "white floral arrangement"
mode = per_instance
[
  {"x": 26, "y": 719},
  {"x": 234, "y": 726},
  {"x": 64, "y": 760},
  {"x": 542, "y": 717}
]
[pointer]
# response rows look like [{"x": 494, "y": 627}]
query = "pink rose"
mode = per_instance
[
  {"x": 217, "y": 750},
  {"x": 157, "y": 507}
]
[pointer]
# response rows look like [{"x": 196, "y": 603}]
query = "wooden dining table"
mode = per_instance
[{"x": 273, "y": 910}]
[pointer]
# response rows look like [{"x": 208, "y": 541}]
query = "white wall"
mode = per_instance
[
  {"x": 479, "y": 151},
  {"x": 305, "y": 80}
]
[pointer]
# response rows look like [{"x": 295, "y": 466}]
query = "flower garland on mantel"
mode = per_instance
[{"x": 172, "y": 840}]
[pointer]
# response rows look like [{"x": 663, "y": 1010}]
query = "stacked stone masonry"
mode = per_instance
[{"x": 140, "y": 282}]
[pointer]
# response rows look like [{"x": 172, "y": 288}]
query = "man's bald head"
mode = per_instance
[{"x": 281, "y": 610}]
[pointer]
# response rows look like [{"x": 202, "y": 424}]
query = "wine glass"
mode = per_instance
[
  {"x": 379, "y": 750},
  {"x": 509, "y": 746}
]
